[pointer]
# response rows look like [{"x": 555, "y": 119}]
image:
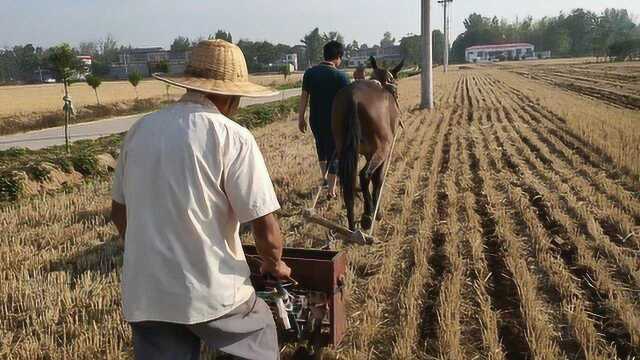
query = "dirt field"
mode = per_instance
[
  {"x": 511, "y": 231},
  {"x": 616, "y": 84},
  {"x": 29, "y": 99}
]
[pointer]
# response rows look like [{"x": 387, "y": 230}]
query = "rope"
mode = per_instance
[{"x": 384, "y": 178}]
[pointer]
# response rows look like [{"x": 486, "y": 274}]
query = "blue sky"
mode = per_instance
[{"x": 157, "y": 22}]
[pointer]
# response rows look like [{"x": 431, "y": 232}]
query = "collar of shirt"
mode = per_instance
[
  {"x": 199, "y": 98},
  {"x": 327, "y": 63}
]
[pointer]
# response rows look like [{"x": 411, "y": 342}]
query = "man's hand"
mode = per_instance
[
  {"x": 280, "y": 270},
  {"x": 302, "y": 109},
  {"x": 302, "y": 125}
]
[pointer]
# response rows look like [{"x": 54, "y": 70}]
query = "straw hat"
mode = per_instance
[{"x": 218, "y": 67}]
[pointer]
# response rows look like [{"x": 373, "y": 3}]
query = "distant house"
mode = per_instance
[
  {"x": 515, "y": 51},
  {"x": 290, "y": 59},
  {"x": 147, "y": 61},
  {"x": 387, "y": 54},
  {"x": 301, "y": 54}
]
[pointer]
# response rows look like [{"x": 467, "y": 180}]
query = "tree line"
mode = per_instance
[
  {"x": 20, "y": 63},
  {"x": 580, "y": 32}
]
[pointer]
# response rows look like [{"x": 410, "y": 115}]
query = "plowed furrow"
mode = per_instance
[
  {"x": 618, "y": 177},
  {"x": 435, "y": 237},
  {"x": 377, "y": 292},
  {"x": 625, "y": 258},
  {"x": 543, "y": 230},
  {"x": 503, "y": 288}
]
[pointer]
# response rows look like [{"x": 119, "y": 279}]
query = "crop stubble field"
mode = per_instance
[
  {"x": 26, "y": 100},
  {"x": 512, "y": 215}
]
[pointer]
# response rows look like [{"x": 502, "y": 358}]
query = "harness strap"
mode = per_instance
[{"x": 384, "y": 178}]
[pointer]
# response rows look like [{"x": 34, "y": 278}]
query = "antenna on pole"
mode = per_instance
[
  {"x": 427, "y": 71},
  {"x": 445, "y": 26}
]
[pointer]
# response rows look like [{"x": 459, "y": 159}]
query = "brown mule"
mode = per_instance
[{"x": 365, "y": 118}]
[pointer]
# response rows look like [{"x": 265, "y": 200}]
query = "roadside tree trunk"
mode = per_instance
[
  {"x": 97, "y": 98},
  {"x": 67, "y": 115}
]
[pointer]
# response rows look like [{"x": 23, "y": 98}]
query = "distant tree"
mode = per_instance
[
  {"x": 27, "y": 61},
  {"x": 437, "y": 41},
  {"x": 260, "y": 54},
  {"x": 314, "y": 43},
  {"x": 88, "y": 48},
  {"x": 223, "y": 35},
  {"x": 332, "y": 35},
  {"x": 285, "y": 70},
  {"x": 180, "y": 44},
  {"x": 108, "y": 48},
  {"x": 581, "y": 26},
  {"x": 162, "y": 66},
  {"x": 65, "y": 63},
  {"x": 94, "y": 81},
  {"x": 166, "y": 88},
  {"x": 411, "y": 48},
  {"x": 387, "y": 40},
  {"x": 135, "y": 78},
  {"x": 352, "y": 49},
  {"x": 625, "y": 49}
]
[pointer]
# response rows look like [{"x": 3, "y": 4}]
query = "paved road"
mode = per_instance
[{"x": 39, "y": 139}]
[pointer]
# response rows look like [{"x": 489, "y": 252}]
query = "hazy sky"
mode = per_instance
[{"x": 157, "y": 22}]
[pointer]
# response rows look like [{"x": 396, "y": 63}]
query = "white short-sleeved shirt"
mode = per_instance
[{"x": 188, "y": 177}]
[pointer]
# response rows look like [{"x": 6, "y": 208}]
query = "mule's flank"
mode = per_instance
[{"x": 364, "y": 121}]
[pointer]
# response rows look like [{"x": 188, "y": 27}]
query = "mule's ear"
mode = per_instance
[
  {"x": 397, "y": 69},
  {"x": 373, "y": 62}
]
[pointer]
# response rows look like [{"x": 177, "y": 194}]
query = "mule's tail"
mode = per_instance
[{"x": 348, "y": 164}]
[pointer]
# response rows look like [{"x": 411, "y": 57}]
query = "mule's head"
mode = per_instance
[{"x": 386, "y": 77}]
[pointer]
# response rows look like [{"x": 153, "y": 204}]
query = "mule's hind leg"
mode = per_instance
[
  {"x": 377, "y": 179},
  {"x": 365, "y": 220}
]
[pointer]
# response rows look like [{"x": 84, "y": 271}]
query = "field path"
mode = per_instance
[{"x": 39, "y": 139}]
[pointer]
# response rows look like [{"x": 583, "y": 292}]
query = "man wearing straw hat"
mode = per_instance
[{"x": 186, "y": 178}]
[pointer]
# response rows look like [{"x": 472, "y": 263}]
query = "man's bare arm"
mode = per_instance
[
  {"x": 266, "y": 232},
  {"x": 302, "y": 109},
  {"x": 119, "y": 217}
]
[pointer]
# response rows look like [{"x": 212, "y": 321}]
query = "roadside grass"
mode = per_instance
[{"x": 16, "y": 124}]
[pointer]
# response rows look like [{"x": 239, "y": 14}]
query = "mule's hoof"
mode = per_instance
[
  {"x": 379, "y": 215},
  {"x": 365, "y": 222}
]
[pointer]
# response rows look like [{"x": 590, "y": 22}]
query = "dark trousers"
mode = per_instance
[{"x": 247, "y": 332}]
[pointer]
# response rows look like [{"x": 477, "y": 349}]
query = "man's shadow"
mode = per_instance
[{"x": 103, "y": 259}]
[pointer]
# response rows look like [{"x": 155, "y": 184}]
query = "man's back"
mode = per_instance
[
  {"x": 322, "y": 82},
  {"x": 185, "y": 198}
]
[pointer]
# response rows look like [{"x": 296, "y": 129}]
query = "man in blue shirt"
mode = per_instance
[{"x": 321, "y": 83}]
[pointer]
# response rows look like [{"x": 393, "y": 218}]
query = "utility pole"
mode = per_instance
[
  {"x": 445, "y": 25},
  {"x": 427, "y": 71}
]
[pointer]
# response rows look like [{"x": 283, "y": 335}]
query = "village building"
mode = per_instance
[
  {"x": 515, "y": 51},
  {"x": 146, "y": 61},
  {"x": 387, "y": 54}
]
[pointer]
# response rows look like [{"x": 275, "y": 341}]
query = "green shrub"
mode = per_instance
[
  {"x": 85, "y": 163},
  {"x": 10, "y": 186},
  {"x": 38, "y": 172}
]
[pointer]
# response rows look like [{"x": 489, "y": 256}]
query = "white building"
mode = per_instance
[
  {"x": 290, "y": 59},
  {"x": 479, "y": 53}
]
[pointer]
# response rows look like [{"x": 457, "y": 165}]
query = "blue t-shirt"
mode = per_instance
[{"x": 322, "y": 82}]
